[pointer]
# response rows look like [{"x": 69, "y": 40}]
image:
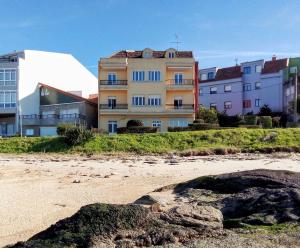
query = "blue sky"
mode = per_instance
[{"x": 217, "y": 31}]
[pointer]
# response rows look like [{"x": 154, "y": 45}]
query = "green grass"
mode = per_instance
[
  {"x": 247, "y": 140},
  {"x": 274, "y": 229}
]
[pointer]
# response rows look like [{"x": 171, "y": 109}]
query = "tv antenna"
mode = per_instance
[
  {"x": 236, "y": 61},
  {"x": 177, "y": 42}
]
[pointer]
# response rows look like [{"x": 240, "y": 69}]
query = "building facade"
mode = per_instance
[
  {"x": 20, "y": 73},
  {"x": 244, "y": 88},
  {"x": 156, "y": 87},
  {"x": 59, "y": 107}
]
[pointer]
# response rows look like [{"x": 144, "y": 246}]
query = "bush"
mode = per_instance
[
  {"x": 265, "y": 111},
  {"x": 250, "y": 119},
  {"x": 194, "y": 127},
  {"x": 207, "y": 115},
  {"x": 293, "y": 124},
  {"x": 298, "y": 104},
  {"x": 229, "y": 121},
  {"x": 62, "y": 128},
  {"x": 198, "y": 121},
  {"x": 266, "y": 121},
  {"x": 134, "y": 123},
  {"x": 77, "y": 135},
  {"x": 122, "y": 130},
  {"x": 250, "y": 126},
  {"x": 283, "y": 120}
]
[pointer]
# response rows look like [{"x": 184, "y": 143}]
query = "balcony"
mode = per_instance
[
  {"x": 184, "y": 108},
  {"x": 113, "y": 84},
  {"x": 52, "y": 119},
  {"x": 106, "y": 108},
  {"x": 183, "y": 84}
]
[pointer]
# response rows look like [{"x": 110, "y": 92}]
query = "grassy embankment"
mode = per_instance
[{"x": 197, "y": 142}]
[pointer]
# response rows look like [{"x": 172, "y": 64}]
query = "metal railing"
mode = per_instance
[
  {"x": 182, "y": 106},
  {"x": 180, "y": 82},
  {"x": 109, "y": 106},
  {"x": 113, "y": 82},
  {"x": 54, "y": 116}
]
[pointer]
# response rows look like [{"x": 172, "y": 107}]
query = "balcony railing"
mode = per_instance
[
  {"x": 180, "y": 82},
  {"x": 51, "y": 119},
  {"x": 117, "y": 106},
  {"x": 113, "y": 82},
  {"x": 180, "y": 107}
]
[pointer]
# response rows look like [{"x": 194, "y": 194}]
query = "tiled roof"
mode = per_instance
[
  {"x": 67, "y": 93},
  {"x": 156, "y": 54},
  {"x": 226, "y": 73},
  {"x": 274, "y": 66}
]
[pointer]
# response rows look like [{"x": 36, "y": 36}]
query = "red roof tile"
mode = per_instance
[
  {"x": 274, "y": 66},
  {"x": 156, "y": 54},
  {"x": 226, "y": 73}
]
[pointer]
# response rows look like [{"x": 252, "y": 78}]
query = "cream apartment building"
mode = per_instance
[{"x": 156, "y": 87}]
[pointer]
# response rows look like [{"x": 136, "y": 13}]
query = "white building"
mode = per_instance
[
  {"x": 244, "y": 88},
  {"x": 20, "y": 73}
]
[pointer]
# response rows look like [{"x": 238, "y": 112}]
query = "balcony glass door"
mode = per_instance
[
  {"x": 178, "y": 78},
  {"x": 112, "y": 78},
  {"x": 177, "y": 103},
  {"x": 112, "y": 102},
  {"x": 112, "y": 127}
]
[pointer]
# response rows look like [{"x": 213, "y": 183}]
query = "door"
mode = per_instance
[
  {"x": 112, "y": 127},
  {"x": 177, "y": 103},
  {"x": 178, "y": 78},
  {"x": 112, "y": 102},
  {"x": 48, "y": 131},
  {"x": 10, "y": 129},
  {"x": 112, "y": 78}
]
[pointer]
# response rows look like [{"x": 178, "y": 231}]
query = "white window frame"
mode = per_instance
[
  {"x": 138, "y": 76},
  {"x": 156, "y": 123},
  {"x": 113, "y": 75},
  {"x": 8, "y": 82},
  {"x": 138, "y": 100},
  {"x": 178, "y": 123},
  {"x": 247, "y": 87},
  {"x": 177, "y": 79},
  {"x": 248, "y": 72},
  {"x": 213, "y": 105},
  {"x": 227, "y": 105},
  {"x": 12, "y": 102},
  {"x": 258, "y": 68},
  {"x": 257, "y": 85},
  {"x": 203, "y": 76},
  {"x": 227, "y": 85},
  {"x": 212, "y": 91},
  {"x": 114, "y": 125},
  {"x": 257, "y": 102},
  {"x": 29, "y": 132},
  {"x": 154, "y": 76},
  {"x": 154, "y": 101}
]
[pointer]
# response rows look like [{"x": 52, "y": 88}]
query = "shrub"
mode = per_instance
[
  {"x": 77, "y": 135},
  {"x": 293, "y": 124},
  {"x": 207, "y": 115},
  {"x": 179, "y": 129},
  {"x": 134, "y": 123},
  {"x": 250, "y": 119},
  {"x": 283, "y": 120},
  {"x": 62, "y": 128},
  {"x": 198, "y": 121},
  {"x": 228, "y": 121},
  {"x": 265, "y": 111},
  {"x": 194, "y": 127},
  {"x": 266, "y": 121},
  {"x": 250, "y": 126},
  {"x": 122, "y": 130},
  {"x": 276, "y": 121},
  {"x": 298, "y": 104}
]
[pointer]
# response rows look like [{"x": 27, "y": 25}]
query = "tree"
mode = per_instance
[
  {"x": 208, "y": 115},
  {"x": 265, "y": 111}
]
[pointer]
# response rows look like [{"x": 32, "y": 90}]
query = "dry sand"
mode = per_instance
[{"x": 38, "y": 190}]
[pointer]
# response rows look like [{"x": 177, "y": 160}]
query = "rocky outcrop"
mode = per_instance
[{"x": 193, "y": 217}]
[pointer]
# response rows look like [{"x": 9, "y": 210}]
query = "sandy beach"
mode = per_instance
[{"x": 38, "y": 190}]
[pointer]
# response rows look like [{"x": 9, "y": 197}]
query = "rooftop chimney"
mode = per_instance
[{"x": 273, "y": 57}]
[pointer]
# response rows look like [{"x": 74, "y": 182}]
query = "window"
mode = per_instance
[
  {"x": 200, "y": 90},
  {"x": 112, "y": 78},
  {"x": 227, "y": 105},
  {"x": 203, "y": 77},
  {"x": 138, "y": 76},
  {"x": 178, "y": 78},
  {"x": 154, "y": 75},
  {"x": 7, "y": 77},
  {"x": 178, "y": 123},
  {"x": 29, "y": 132},
  {"x": 293, "y": 69},
  {"x": 227, "y": 88},
  {"x": 247, "y": 104},
  {"x": 257, "y": 102},
  {"x": 156, "y": 123},
  {"x": 112, "y": 102},
  {"x": 258, "y": 68},
  {"x": 257, "y": 85},
  {"x": 213, "y": 90},
  {"x": 178, "y": 102},
  {"x": 210, "y": 75},
  {"x": 8, "y": 99},
  {"x": 171, "y": 55},
  {"x": 247, "y": 87},
  {"x": 154, "y": 101},
  {"x": 45, "y": 92},
  {"x": 213, "y": 106},
  {"x": 138, "y": 100},
  {"x": 247, "y": 70},
  {"x": 112, "y": 127}
]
